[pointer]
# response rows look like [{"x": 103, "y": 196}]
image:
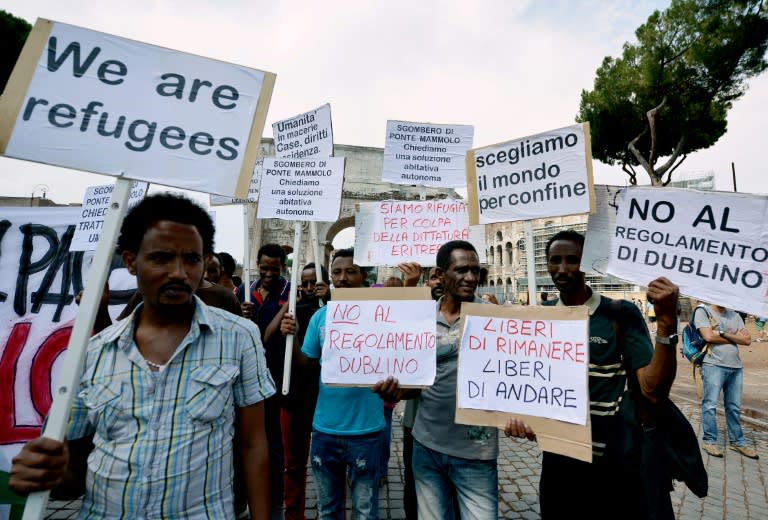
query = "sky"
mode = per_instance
[{"x": 511, "y": 68}]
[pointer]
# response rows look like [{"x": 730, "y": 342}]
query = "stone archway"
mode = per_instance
[{"x": 362, "y": 183}]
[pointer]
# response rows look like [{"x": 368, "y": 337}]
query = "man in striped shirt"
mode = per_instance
[
  {"x": 570, "y": 488},
  {"x": 163, "y": 391}
]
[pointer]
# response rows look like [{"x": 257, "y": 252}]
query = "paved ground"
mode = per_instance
[{"x": 738, "y": 487}]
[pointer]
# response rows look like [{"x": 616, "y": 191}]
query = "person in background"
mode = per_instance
[
  {"x": 228, "y": 266},
  {"x": 268, "y": 295},
  {"x": 213, "y": 269},
  {"x": 490, "y": 298},
  {"x": 298, "y": 407},
  {"x": 393, "y": 281},
  {"x": 163, "y": 391},
  {"x": 722, "y": 371}
]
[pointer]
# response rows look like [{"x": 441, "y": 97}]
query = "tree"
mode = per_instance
[
  {"x": 13, "y": 34},
  {"x": 669, "y": 93}
]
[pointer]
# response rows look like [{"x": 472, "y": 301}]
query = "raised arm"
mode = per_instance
[{"x": 656, "y": 378}]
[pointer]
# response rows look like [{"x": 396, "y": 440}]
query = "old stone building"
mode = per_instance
[{"x": 362, "y": 183}]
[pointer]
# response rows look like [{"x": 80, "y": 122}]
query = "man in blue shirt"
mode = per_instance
[{"x": 349, "y": 422}]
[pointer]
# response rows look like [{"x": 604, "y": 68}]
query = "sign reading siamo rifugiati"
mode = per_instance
[
  {"x": 543, "y": 175},
  {"x": 92, "y": 101}
]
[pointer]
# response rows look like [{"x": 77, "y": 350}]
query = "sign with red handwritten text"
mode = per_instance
[
  {"x": 393, "y": 231},
  {"x": 368, "y": 340},
  {"x": 524, "y": 363}
]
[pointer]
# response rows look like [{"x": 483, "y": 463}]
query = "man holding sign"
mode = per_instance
[
  {"x": 163, "y": 391},
  {"x": 348, "y": 426},
  {"x": 450, "y": 459},
  {"x": 570, "y": 488}
]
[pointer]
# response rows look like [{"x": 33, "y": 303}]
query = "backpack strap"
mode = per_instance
[{"x": 644, "y": 407}]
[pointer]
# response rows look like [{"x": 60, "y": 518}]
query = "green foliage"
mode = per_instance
[
  {"x": 13, "y": 34},
  {"x": 669, "y": 93}
]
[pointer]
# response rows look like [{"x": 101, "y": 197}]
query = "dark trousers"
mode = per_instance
[
  {"x": 410, "y": 486},
  {"x": 570, "y": 488},
  {"x": 275, "y": 444},
  {"x": 297, "y": 431}
]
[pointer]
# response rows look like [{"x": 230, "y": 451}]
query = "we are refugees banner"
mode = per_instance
[
  {"x": 713, "y": 245},
  {"x": 39, "y": 278}
]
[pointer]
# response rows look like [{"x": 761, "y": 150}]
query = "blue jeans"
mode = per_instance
[
  {"x": 439, "y": 477},
  {"x": 730, "y": 381},
  {"x": 333, "y": 456}
]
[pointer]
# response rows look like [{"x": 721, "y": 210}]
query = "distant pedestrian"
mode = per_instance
[{"x": 723, "y": 371}]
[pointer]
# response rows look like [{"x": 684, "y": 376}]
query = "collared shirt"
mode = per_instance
[
  {"x": 435, "y": 426},
  {"x": 163, "y": 439}
]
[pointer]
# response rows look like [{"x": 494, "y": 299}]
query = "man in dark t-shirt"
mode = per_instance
[
  {"x": 572, "y": 488},
  {"x": 268, "y": 295}
]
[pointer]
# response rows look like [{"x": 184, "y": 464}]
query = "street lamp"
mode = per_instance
[{"x": 42, "y": 188}]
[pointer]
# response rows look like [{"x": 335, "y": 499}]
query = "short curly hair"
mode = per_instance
[{"x": 164, "y": 206}]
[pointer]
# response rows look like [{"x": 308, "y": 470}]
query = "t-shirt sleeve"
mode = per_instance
[
  {"x": 638, "y": 346},
  {"x": 313, "y": 339},
  {"x": 255, "y": 383},
  {"x": 701, "y": 318}
]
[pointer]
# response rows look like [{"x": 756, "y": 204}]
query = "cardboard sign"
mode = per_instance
[
  {"x": 118, "y": 107},
  {"x": 253, "y": 189},
  {"x": 713, "y": 245},
  {"x": 601, "y": 226},
  {"x": 307, "y": 135},
  {"x": 382, "y": 332},
  {"x": 525, "y": 366},
  {"x": 39, "y": 278},
  {"x": 531, "y": 362},
  {"x": 301, "y": 189},
  {"x": 393, "y": 231},
  {"x": 543, "y": 175},
  {"x": 95, "y": 207},
  {"x": 426, "y": 154}
]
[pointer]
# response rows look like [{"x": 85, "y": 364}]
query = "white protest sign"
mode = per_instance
[
  {"x": 600, "y": 229},
  {"x": 39, "y": 278},
  {"x": 523, "y": 365},
  {"x": 426, "y": 154},
  {"x": 253, "y": 189},
  {"x": 368, "y": 340},
  {"x": 713, "y": 245},
  {"x": 118, "y": 107},
  {"x": 393, "y": 231},
  {"x": 95, "y": 207},
  {"x": 307, "y": 135},
  {"x": 301, "y": 189},
  {"x": 543, "y": 175}
]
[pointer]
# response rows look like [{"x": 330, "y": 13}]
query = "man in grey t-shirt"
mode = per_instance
[
  {"x": 451, "y": 460},
  {"x": 722, "y": 370}
]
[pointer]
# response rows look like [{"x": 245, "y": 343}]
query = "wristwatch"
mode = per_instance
[
  {"x": 667, "y": 340},
  {"x": 722, "y": 332}
]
